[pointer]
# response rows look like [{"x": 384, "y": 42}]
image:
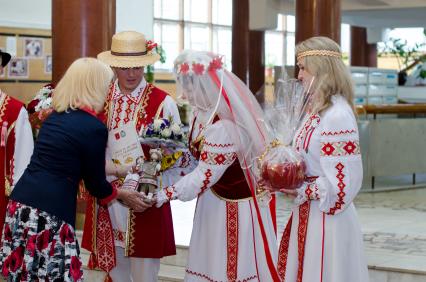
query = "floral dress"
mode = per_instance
[{"x": 37, "y": 246}]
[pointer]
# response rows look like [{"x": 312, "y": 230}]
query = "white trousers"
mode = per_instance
[{"x": 130, "y": 269}]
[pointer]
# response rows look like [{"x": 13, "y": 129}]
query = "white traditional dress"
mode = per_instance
[
  {"x": 16, "y": 146},
  {"x": 323, "y": 240},
  {"x": 226, "y": 243}
]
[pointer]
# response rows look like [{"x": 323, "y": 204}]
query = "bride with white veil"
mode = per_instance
[{"x": 233, "y": 237}]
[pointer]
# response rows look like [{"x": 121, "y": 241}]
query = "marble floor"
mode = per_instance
[{"x": 393, "y": 224}]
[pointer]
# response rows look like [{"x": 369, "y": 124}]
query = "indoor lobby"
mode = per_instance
[{"x": 383, "y": 45}]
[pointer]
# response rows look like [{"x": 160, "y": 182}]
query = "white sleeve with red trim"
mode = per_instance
[
  {"x": 24, "y": 145},
  {"x": 217, "y": 154},
  {"x": 170, "y": 109},
  {"x": 340, "y": 161}
]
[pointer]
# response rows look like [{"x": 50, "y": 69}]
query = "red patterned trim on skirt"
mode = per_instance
[
  {"x": 232, "y": 240},
  {"x": 105, "y": 245},
  {"x": 303, "y": 228},
  {"x": 283, "y": 250},
  {"x": 207, "y": 278}
]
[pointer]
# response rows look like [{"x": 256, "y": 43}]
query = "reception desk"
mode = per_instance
[{"x": 392, "y": 140}]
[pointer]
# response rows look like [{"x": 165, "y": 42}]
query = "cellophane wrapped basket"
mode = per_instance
[{"x": 281, "y": 166}]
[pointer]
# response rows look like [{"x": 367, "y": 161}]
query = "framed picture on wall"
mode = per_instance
[
  {"x": 18, "y": 68},
  {"x": 33, "y": 47},
  {"x": 48, "y": 64}
]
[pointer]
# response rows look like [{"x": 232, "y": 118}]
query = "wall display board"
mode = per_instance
[{"x": 31, "y": 65}]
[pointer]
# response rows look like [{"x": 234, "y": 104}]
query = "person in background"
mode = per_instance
[
  {"x": 39, "y": 241},
  {"x": 16, "y": 142},
  {"x": 131, "y": 100},
  {"x": 322, "y": 240}
]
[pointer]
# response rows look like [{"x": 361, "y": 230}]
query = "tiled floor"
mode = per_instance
[{"x": 393, "y": 223}]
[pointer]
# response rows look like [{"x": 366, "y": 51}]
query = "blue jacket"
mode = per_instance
[{"x": 70, "y": 147}]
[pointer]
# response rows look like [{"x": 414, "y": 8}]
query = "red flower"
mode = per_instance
[
  {"x": 75, "y": 268},
  {"x": 184, "y": 68},
  {"x": 215, "y": 64},
  {"x": 5, "y": 268},
  {"x": 12, "y": 208},
  {"x": 31, "y": 244},
  {"x": 198, "y": 68},
  {"x": 7, "y": 233},
  {"x": 31, "y": 106},
  {"x": 150, "y": 45},
  {"x": 25, "y": 234},
  {"x": 16, "y": 258},
  {"x": 52, "y": 248},
  {"x": 66, "y": 234},
  {"x": 43, "y": 240}
]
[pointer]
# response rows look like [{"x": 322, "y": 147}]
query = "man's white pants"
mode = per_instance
[{"x": 130, "y": 269}]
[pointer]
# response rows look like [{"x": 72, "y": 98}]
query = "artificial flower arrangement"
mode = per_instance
[
  {"x": 164, "y": 138},
  {"x": 40, "y": 108},
  {"x": 163, "y": 132}
]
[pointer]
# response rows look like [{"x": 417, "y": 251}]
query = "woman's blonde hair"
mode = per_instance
[
  {"x": 331, "y": 74},
  {"x": 84, "y": 84}
]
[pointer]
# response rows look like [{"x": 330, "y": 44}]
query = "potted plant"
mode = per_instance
[{"x": 407, "y": 56}]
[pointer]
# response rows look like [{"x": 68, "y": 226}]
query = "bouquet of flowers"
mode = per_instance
[
  {"x": 281, "y": 166},
  {"x": 163, "y": 132},
  {"x": 164, "y": 138},
  {"x": 40, "y": 107}
]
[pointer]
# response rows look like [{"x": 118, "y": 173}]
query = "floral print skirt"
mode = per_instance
[{"x": 37, "y": 246}]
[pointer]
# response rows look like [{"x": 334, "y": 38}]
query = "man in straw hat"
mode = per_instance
[
  {"x": 139, "y": 239},
  {"x": 16, "y": 142}
]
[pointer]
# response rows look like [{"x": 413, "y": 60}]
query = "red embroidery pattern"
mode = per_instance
[
  {"x": 118, "y": 108},
  {"x": 305, "y": 132},
  {"x": 311, "y": 191},
  {"x": 134, "y": 108},
  {"x": 206, "y": 181},
  {"x": 341, "y": 148},
  {"x": 336, "y": 133},
  {"x": 201, "y": 275},
  {"x": 169, "y": 192},
  {"x": 119, "y": 235},
  {"x": 283, "y": 250},
  {"x": 218, "y": 145},
  {"x": 128, "y": 111},
  {"x": 232, "y": 240},
  {"x": 341, "y": 195},
  {"x": 105, "y": 240},
  {"x": 218, "y": 158},
  {"x": 185, "y": 160},
  {"x": 302, "y": 230}
]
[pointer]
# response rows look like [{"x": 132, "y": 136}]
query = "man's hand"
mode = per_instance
[{"x": 133, "y": 200}]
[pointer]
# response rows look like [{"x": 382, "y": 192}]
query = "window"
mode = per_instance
[
  {"x": 193, "y": 24},
  {"x": 279, "y": 43}
]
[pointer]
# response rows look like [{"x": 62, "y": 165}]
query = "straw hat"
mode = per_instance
[
  {"x": 5, "y": 58},
  {"x": 128, "y": 50}
]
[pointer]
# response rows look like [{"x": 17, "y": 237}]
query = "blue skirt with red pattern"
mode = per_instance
[{"x": 37, "y": 246}]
